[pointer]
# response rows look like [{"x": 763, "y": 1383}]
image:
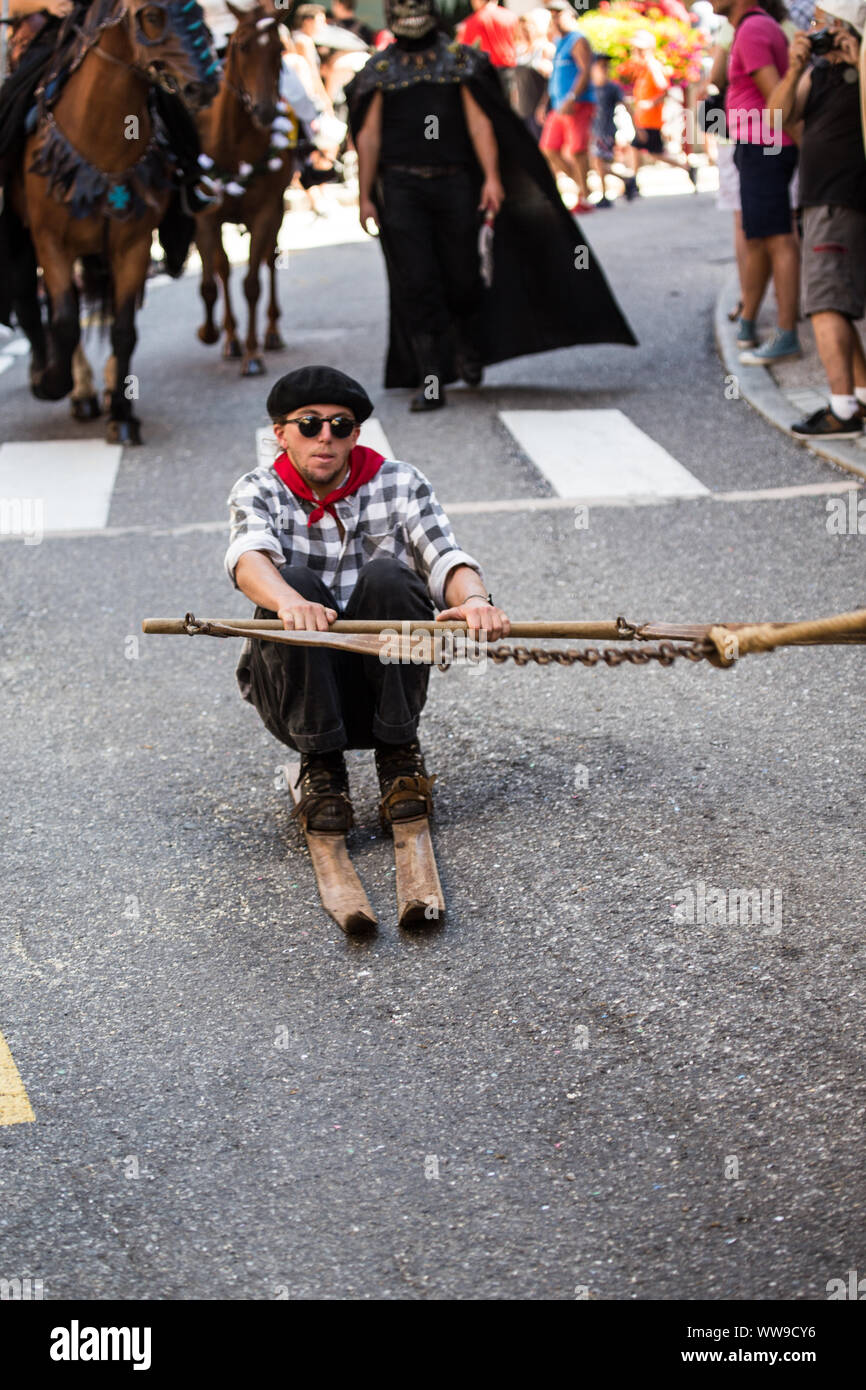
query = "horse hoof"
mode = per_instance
[
  {"x": 48, "y": 387},
  {"x": 123, "y": 432},
  {"x": 232, "y": 348},
  {"x": 208, "y": 333},
  {"x": 253, "y": 366},
  {"x": 85, "y": 408},
  {"x": 273, "y": 342}
]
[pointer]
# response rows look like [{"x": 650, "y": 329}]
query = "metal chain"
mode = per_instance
[
  {"x": 193, "y": 628},
  {"x": 665, "y": 654}
]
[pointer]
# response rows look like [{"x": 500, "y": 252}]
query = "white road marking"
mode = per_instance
[
  {"x": 599, "y": 454},
  {"x": 19, "y": 347},
  {"x": 5, "y": 364},
  {"x": 267, "y": 447},
  {"x": 548, "y": 504},
  {"x": 509, "y": 504},
  {"x": 59, "y": 485},
  {"x": 372, "y": 437}
]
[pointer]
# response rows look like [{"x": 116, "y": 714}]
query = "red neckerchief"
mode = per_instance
[{"x": 364, "y": 464}]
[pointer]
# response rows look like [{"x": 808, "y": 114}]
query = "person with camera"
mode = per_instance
[{"x": 821, "y": 88}]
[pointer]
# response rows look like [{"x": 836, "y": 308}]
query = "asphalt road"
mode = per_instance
[{"x": 562, "y": 1091}]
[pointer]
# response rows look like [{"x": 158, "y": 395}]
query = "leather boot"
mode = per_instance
[
  {"x": 324, "y": 785},
  {"x": 403, "y": 782},
  {"x": 468, "y": 363},
  {"x": 428, "y": 355}
]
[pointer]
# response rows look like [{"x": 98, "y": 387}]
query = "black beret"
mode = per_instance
[{"x": 318, "y": 386}]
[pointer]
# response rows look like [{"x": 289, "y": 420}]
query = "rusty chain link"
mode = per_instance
[{"x": 665, "y": 654}]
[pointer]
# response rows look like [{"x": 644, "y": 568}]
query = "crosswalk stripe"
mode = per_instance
[
  {"x": 494, "y": 505},
  {"x": 51, "y": 485},
  {"x": 599, "y": 453},
  {"x": 15, "y": 1107}
]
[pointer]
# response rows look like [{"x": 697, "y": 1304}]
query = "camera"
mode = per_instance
[{"x": 822, "y": 41}]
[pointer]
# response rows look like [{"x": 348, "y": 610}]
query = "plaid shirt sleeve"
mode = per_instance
[
  {"x": 431, "y": 540},
  {"x": 254, "y": 522}
]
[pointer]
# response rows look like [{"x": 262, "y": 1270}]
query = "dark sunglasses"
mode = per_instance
[{"x": 311, "y": 425}]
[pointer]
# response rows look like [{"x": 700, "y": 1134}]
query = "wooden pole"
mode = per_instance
[{"x": 600, "y": 631}]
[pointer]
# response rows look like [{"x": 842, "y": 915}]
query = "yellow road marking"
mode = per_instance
[{"x": 15, "y": 1107}]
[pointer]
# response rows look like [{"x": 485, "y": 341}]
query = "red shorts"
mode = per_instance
[{"x": 570, "y": 134}]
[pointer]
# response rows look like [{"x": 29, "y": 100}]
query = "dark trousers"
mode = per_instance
[
  {"x": 316, "y": 700},
  {"x": 431, "y": 226}
]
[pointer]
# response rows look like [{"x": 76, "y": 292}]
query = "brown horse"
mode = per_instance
[
  {"x": 96, "y": 178},
  {"x": 246, "y": 138}
]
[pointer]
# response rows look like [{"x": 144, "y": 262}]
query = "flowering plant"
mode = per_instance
[{"x": 610, "y": 29}]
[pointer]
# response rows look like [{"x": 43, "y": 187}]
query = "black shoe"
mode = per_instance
[
  {"x": 824, "y": 424},
  {"x": 324, "y": 786},
  {"x": 422, "y": 401},
  {"x": 467, "y": 357},
  {"x": 428, "y": 356},
  {"x": 469, "y": 369},
  {"x": 693, "y": 175},
  {"x": 631, "y": 190},
  {"x": 604, "y": 202},
  {"x": 403, "y": 782}
]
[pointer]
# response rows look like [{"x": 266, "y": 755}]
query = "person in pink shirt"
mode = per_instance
[{"x": 766, "y": 157}]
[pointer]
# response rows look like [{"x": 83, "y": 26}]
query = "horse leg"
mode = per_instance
[
  {"x": 205, "y": 240},
  {"x": 109, "y": 380},
  {"x": 129, "y": 262},
  {"x": 84, "y": 403},
  {"x": 64, "y": 330},
  {"x": 24, "y": 280},
  {"x": 231, "y": 346},
  {"x": 273, "y": 338},
  {"x": 262, "y": 239}
]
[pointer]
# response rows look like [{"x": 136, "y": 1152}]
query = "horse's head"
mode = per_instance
[
  {"x": 253, "y": 62},
  {"x": 173, "y": 46}
]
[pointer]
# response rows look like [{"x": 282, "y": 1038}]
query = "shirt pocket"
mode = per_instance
[{"x": 379, "y": 547}]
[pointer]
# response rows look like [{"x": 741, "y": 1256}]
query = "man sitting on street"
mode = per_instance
[{"x": 332, "y": 529}]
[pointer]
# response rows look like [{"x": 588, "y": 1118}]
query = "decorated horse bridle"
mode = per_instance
[
  {"x": 71, "y": 176},
  {"x": 217, "y": 183},
  {"x": 238, "y": 89},
  {"x": 182, "y": 17}
]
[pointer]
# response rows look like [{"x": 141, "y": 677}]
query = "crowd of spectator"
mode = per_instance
[{"x": 789, "y": 146}]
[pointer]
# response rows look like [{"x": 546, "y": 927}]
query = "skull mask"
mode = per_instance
[{"x": 411, "y": 19}]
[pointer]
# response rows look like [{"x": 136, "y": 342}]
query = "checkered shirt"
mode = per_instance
[{"x": 394, "y": 515}]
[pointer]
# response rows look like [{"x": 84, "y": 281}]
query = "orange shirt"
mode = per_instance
[{"x": 649, "y": 83}]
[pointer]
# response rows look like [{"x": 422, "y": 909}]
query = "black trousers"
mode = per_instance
[
  {"x": 316, "y": 700},
  {"x": 431, "y": 227}
]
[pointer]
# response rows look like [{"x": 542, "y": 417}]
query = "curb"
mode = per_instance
[{"x": 757, "y": 387}]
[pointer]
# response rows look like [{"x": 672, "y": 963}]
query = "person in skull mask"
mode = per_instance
[{"x": 441, "y": 153}]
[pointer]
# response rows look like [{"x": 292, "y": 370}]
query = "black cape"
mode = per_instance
[{"x": 549, "y": 290}]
